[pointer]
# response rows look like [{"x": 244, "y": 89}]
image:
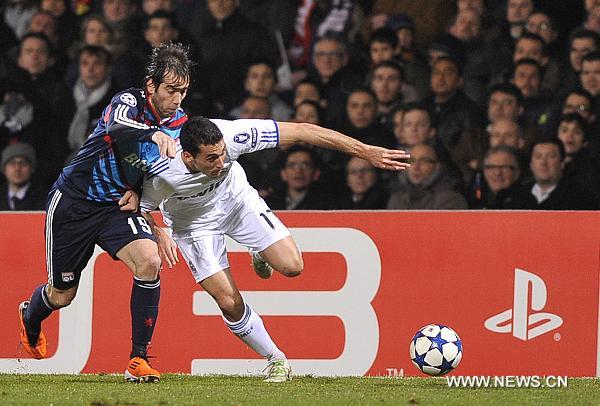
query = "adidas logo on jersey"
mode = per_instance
[{"x": 136, "y": 162}]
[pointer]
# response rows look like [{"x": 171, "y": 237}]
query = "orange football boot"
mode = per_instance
[
  {"x": 39, "y": 350},
  {"x": 139, "y": 371}
]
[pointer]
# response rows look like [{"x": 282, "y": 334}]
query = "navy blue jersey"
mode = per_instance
[{"x": 120, "y": 151}]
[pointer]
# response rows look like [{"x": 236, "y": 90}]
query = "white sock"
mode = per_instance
[{"x": 251, "y": 330}]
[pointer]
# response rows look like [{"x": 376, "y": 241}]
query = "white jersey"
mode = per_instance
[{"x": 195, "y": 204}]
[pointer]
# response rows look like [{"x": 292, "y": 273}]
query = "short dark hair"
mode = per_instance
[
  {"x": 575, "y": 118},
  {"x": 161, "y": 14},
  {"x": 302, "y": 148},
  {"x": 100, "y": 52},
  {"x": 169, "y": 58},
  {"x": 455, "y": 61},
  {"x": 320, "y": 111},
  {"x": 387, "y": 64},
  {"x": 583, "y": 93},
  {"x": 527, "y": 61},
  {"x": 533, "y": 37},
  {"x": 585, "y": 34},
  {"x": 507, "y": 88},
  {"x": 591, "y": 57},
  {"x": 198, "y": 131},
  {"x": 385, "y": 35},
  {"x": 550, "y": 140},
  {"x": 262, "y": 61},
  {"x": 40, "y": 36}
]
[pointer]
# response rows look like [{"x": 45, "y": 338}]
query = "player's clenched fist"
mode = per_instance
[{"x": 166, "y": 144}]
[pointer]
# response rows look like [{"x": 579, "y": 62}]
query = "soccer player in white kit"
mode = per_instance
[{"x": 204, "y": 195}]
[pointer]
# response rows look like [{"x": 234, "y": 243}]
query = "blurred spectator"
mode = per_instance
[
  {"x": 579, "y": 165},
  {"x": 308, "y": 111},
  {"x": 307, "y": 90},
  {"x": 592, "y": 21},
  {"x": 91, "y": 93},
  {"x": 362, "y": 124},
  {"x": 335, "y": 78},
  {"x": 590, "y": 78},
  {"x": 532, "y": 46},
  {"x": 501, "y": 172},
  {"x": 150, "y": 7},
  {"x": 300, "y": 174},
  {"x": 121, "y": 16},
  {"x": 382, "y": 45},
  {"x": 18, "y": 13},
  {"x": 541, "y": 24},
  {"x": 20, "y": 192},
  {"x": 227, "y": 46},
  {"x": 517, "y": 12},
  {"x": 386, "y": 80},
  {"x": 255, "y": 107},
  {"x": 66, "y": 21},
  {"x": 452, "y": 111},
  {"x": 424, "y": 186},
  {"x": 581, "y": 43},
  {"x": 527, "y": 76},
  {"x": 260, "y": 81},
  {"x": 364, "y": 190},
  {"x": 549, "y": 190}
]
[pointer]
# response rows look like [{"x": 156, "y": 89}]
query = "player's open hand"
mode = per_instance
[
  {"x": 130, "y": 201},
  {"x": 166, "y": 144},
  {"x": 389, "y": 159},
  {"x": 167, "y": 249}
]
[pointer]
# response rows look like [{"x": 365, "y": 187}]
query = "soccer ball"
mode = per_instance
[{"x": 436, "y": 349}]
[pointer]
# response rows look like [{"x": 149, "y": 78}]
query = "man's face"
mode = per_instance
[
  {"x": 299, "y": 171},
  {"x": 590, "y": 77},
  {"x": 93, "y": 70},
  {"x": 159, "y": 31},
  {"x": 34, "y": 56},
  {"x": 361, "y": 109},
  {"x": 505, "y": 132},
  {"x": 500, "y": 171},
  {"x": 386, "y": 85},
  {"x": 540, "y": 24},
  {"x": 405, "y": 38},
  {"x": 167, "y": 98},
  {"x": 589, "y": 4},
  {"x": 306, "y": 113},
  {"x": 580, "y": 47},
  {"x": 416, "y": 128},
  {"x": 572, "y": 137},
  {"x": 517, "y": 11},
  {"x": 54, "y": 7},
  {"x": 18, "y": 171},
  {"x": 96, "y": 34},
  {"x": 592, "y": 21},
  {"x": 381, "y": 52},
  {"x": 256, "y": 107},
  {"x": 424, "y": 164},
  {"x": 546, "y": 164},
  {"x": 221, "y": 9},
  {"x": 527, "y": 79},
  {"x": 260, "y": 81},
  {"x": 328, "y": 58},
  {"x": 306, "y": 91},
  {"x": 445, "y": 79},
  {"x": 360, "y": 175},
  {"x": 210, "y": 160},
  {"x": 531, "y": 49},
  {"x": 467, "y": 25},
  {"x": 503, "y": 105},
  {"x": 116, "y": 10},
  {"x": 152, "y": 6},
  {"x": 576, "y": 103},
  {"x": 45, "y": 24}
]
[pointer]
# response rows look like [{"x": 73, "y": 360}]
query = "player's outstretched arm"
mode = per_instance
[
  {"x": 167, "y": 249},
  {"x": 383, "y": 158}
]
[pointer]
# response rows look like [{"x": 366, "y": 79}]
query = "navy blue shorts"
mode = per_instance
[{"x": 74, "y": 227}]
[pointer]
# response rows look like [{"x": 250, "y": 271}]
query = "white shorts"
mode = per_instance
[{"x": 252, "y": 224}]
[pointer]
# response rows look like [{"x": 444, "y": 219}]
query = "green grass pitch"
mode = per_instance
[{"x": 173, "y": 389}]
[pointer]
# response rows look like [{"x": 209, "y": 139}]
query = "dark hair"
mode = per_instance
[
  {"x": 316, "y": 105},
  {"x": 387, "y": 64},
  {"x": 385, "y": 35},
  {"x": 161, "y": 14},
  {"x": 583, "y": 93},
  {"x": 408, "y": 107},
  {"x": 302, "y": 148},
  {"x": 333, "y": 36},
  {"x": 591, "y": 57},
  {"x": 453, "y": 60},
  {"x": 262, "y": 61},
  {"x": 575, "y": 118},
  {"x": 533, "y": 37},
  {"x": 527, "y": 61},
  {"x": 199, "y": 131},
  {"x": 551, "y": 140},
  {"x": 97, "y": 51},
  {"x": 585, "y": 34},
  {"x": 362, "y": 90},
  {"x": 507, "y": 88},
  {"x": 313, "y": 83},
  {"x": 169, "y": 58},
  {"x": 99, "y": 18},
  {"x": 37, "y": 35}
]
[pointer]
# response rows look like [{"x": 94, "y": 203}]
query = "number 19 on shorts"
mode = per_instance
[{"x": 142, "y": 223}]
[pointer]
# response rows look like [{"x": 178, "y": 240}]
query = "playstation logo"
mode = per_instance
[{"x": 519, "y": 314}]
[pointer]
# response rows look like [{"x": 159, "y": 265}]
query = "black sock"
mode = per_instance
[
  {"x": 145, "y": 296},
  {"x": 39, "y": 308}
]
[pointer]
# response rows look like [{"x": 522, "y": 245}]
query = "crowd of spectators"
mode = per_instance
[{"x": 498, "y": 101}]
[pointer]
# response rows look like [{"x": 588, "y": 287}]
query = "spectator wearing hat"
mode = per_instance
[{"x": 20, "y": 192}]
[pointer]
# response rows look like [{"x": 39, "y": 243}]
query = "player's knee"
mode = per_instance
[
  {"x": 232, "y": 307},
  {"x": 148, "y": 267},
  {"x": 293, "y": 266},
  {"x": 59, "y": 299}
]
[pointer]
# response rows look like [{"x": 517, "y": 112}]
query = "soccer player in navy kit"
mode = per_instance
[{"x": 92, "y": 203}]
